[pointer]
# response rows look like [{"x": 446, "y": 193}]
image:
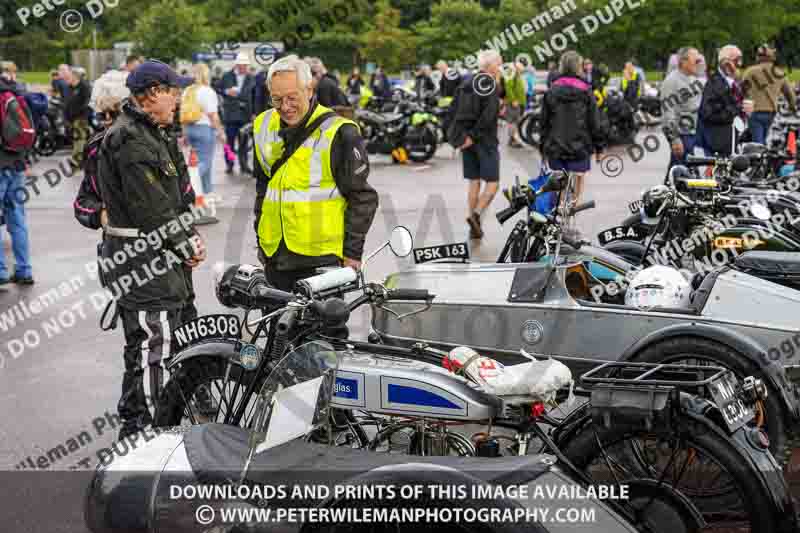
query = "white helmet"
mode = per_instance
[{"x": 658, "y": 286}]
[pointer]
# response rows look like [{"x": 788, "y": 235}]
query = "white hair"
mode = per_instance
[
  {"x": 487, "y": 57},
  {"x": 109, "y": 90},
  {"x": 727, "y": 51},
  {"x": 291, "y": 63}
]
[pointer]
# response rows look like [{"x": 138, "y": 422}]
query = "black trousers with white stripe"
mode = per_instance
[{"x": 147, "y": 345}]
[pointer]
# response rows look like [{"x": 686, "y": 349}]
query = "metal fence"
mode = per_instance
[{"x": 96, "y": 61}]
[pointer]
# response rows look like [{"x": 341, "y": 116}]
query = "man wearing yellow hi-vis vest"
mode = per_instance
[{"x": 313, "y": 204}]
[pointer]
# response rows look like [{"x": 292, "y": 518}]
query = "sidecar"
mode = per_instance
[
  {"x": 734, "y": 318},
  {"x": 180, "y": 481}
]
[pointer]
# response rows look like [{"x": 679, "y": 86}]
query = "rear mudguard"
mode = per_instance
[
  {"x": 773, "y": 372},
  {"x": 766, "y": 471},
  {"x": 222, "y": 348}
]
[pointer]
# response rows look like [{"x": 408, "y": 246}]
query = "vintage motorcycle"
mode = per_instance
[
  {"x": 288, "y": 448},
  {"x": 636, "y": 412},
  {"x": 423, "y": 402}
]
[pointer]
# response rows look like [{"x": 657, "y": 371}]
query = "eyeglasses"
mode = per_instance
[{"x": 292, "y": 100}]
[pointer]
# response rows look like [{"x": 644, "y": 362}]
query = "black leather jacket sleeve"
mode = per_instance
[{"x": 350, "y": 167}]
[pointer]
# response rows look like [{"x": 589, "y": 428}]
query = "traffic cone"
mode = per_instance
[{"x": 199, "y": 193}]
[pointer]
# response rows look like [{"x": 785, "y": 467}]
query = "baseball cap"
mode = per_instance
[
  {"x": 765, "y": 50},
  {"x": 153, "y": 72}
]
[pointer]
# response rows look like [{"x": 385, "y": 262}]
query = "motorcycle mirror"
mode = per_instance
[
  {"x": 401, "y": 242},
  {"x": 760, "y": 211},
  {"x": 738, "y": 124}
]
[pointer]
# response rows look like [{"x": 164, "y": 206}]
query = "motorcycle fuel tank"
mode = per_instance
[{"x": 403, "y": 387}]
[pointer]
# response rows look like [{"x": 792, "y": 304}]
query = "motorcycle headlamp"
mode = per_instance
[
  {"x": 234, "y": 284},
  {"x": 653, "y": 199}
]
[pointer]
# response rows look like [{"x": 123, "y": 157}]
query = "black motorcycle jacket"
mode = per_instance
[
  {"x": 571, "y": 125},
  {"x": 144, "y": 184}
]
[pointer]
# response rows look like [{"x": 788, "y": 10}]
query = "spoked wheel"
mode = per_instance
[
  {"x": 198, "y": 393},
  {"x": 698, "y": 462},
  {"x": 44, "y": 146}
]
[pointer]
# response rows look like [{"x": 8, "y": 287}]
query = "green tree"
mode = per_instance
[
  {"x": 456, "y": 28},
  {"x": 386, "y": 42},
  {"x": 170, "y": 30}
]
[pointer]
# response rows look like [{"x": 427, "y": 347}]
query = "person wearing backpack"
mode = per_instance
[
  {"x": 201, "y": 124},
  {"x": 17, "y": 134}
]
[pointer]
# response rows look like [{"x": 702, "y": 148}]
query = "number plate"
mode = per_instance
[
  {"x": 734, "y": 411},
  {"x": 206, "y": 327},
  {"x": 627, "y": 233},
  {"x": 634, "y": 206},
  {"x": 458, "y": 250}
]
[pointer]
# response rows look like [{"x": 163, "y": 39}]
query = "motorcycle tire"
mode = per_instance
[
  {"x": 695, "y": 348},
  {"x": 245, "y": 149},
  {"x": 428, "y": 141},
  {"x": 522, "y": 125},
  {"x": 532, "y": 131},
  {"x": 45, "y": 147},
  {"x": 591, "y": 442},
  {"x": 186, "y": 382}
]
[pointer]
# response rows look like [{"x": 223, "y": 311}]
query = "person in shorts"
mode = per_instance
[{"x": 476, "y": 116}]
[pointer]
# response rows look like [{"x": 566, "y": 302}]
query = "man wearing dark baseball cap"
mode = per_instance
[{"x": 145, "y": 185}]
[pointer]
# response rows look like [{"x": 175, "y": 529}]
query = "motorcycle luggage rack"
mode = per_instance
[
  {"x": 648, "y": 375},
  {"x": 644, "y": 395}
]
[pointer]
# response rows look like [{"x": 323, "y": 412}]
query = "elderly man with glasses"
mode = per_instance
[
  {"x": 723, "y": 101},
  {"x": 313, "y": 204}
]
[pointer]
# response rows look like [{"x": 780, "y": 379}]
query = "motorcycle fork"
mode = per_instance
[{"x": 262, "y": 366}]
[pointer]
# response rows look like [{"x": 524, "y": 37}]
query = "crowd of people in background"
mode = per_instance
[{"x": 576, "y": 90}]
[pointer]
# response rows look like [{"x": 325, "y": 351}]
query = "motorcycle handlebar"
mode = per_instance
[
  {"x": 507, "y": 213},
  {"x": 574, "y": 244},
  {"x": 699, "y": 161},
  {"x": 409, "y": 294},
  {"x": 582, "y": 207},
  {"x": 267, "y": 296}
]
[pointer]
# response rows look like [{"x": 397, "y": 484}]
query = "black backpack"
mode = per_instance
[{"x": 465, "y": 110}]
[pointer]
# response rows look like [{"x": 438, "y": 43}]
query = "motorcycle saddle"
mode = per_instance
[
  {"x": 217, "y": 454},
  {"x": 769, "y": 263}
]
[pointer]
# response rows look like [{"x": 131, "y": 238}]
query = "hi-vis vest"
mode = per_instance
[
  {"x": 625, "y": 84},
  {"x": 600, "y": 96},
  {"x": 302, "y": 204}
]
